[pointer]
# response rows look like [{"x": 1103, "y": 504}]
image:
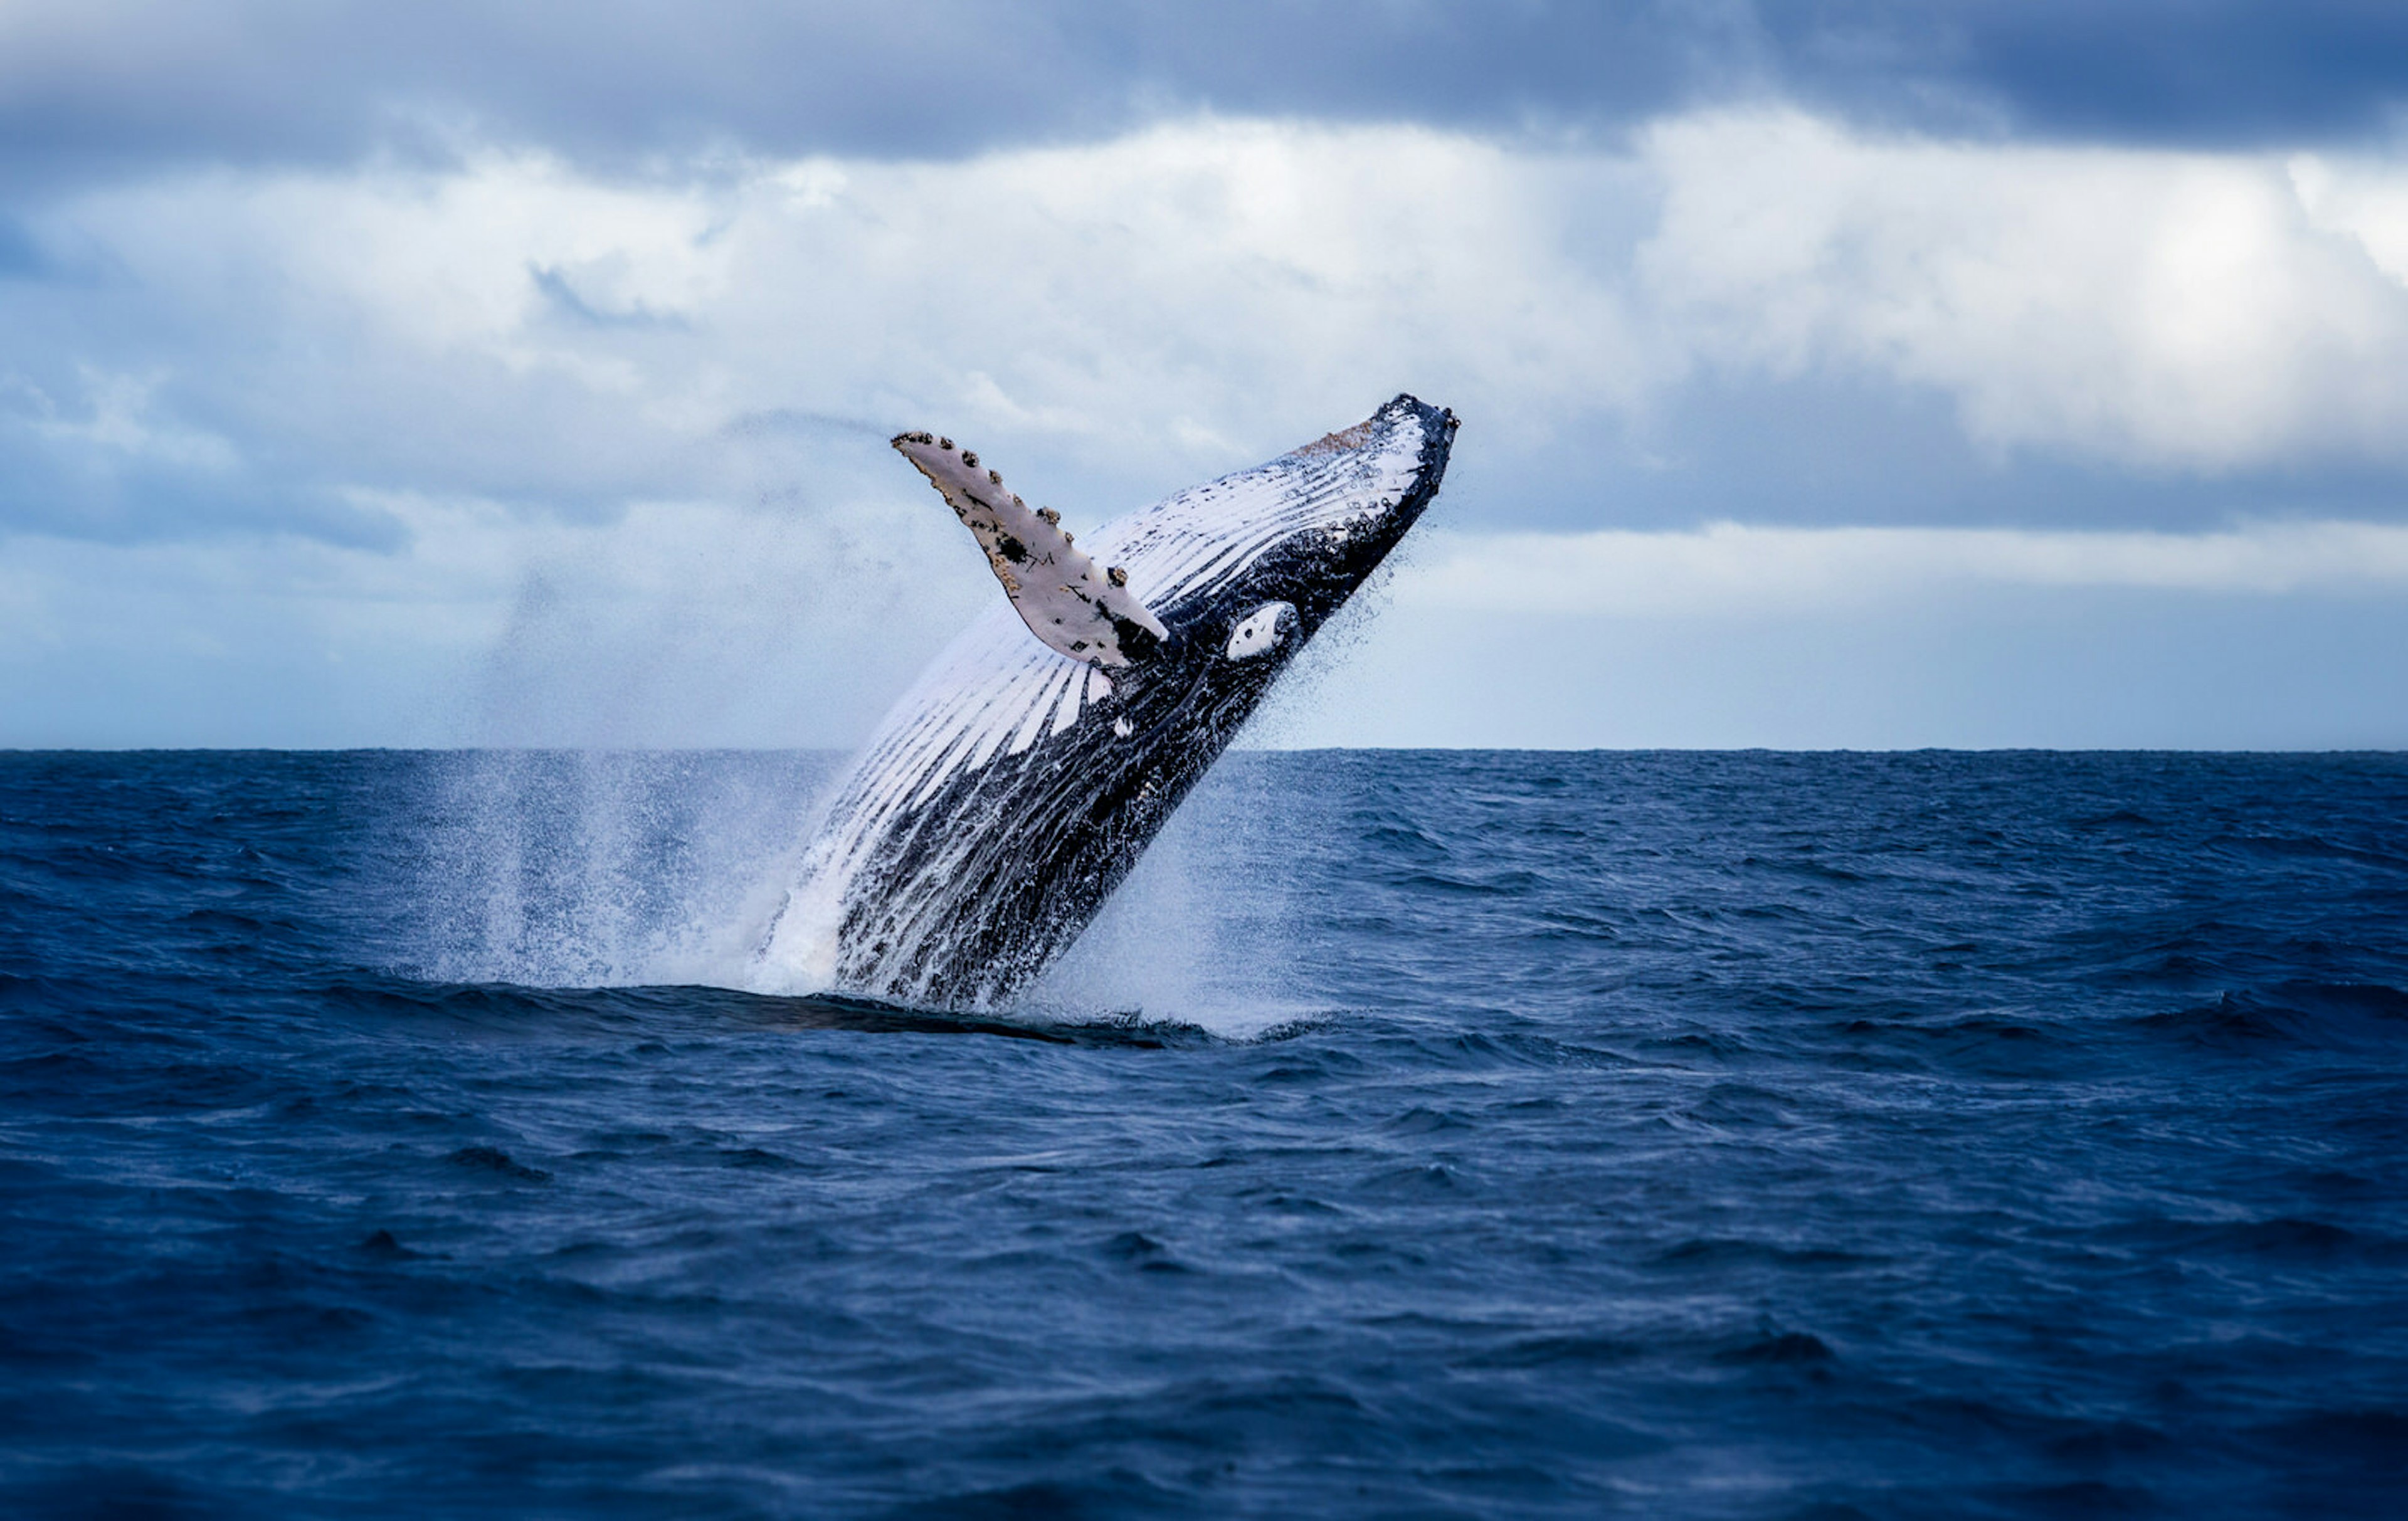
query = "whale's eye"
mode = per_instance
[{"x": 1260, "y": 630}]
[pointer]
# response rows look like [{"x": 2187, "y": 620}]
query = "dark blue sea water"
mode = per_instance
[{"x": 1442, "y": 1134}]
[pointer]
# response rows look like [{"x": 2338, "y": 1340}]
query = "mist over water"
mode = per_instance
[
  {"x": 608, "y": 869},
  {"x": 786, "y": 610},
  {"x": 634, "y": 868},
  {"x": 1206, "y": 932}
]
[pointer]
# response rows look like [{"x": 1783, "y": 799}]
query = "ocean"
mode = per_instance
[{"x": 1418, "y": 1134}]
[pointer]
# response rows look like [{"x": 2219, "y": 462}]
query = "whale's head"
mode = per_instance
[{"x": 1245, "y": 568}]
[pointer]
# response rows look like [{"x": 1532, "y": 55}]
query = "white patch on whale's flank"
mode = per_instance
[
  {"x": 1042, "y": 709},
  {"x": 1259, "y": 630},
  {"x": 1067, "y": 712},
  {"x": 1077, "y": 608},
  {"x": 996, "y": 692}
]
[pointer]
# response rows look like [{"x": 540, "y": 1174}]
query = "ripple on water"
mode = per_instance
[{"x": 1422, "y": 1134}]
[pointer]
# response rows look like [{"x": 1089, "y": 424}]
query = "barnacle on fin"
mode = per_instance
[{"x": 1069, "y": 589}]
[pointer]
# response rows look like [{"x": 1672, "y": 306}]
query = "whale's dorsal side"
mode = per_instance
[{"x": 1077, "y": 608}]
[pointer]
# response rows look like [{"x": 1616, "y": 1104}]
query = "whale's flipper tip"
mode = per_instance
[{"x": 1074, "y": 606}]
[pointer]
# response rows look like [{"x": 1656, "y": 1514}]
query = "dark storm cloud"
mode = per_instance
[
  {"x": 2193, "y": 73},
  {"x": 101, "y": 86}
]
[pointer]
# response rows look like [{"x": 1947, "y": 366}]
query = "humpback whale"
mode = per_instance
[{"x": 1010, "y": 790}]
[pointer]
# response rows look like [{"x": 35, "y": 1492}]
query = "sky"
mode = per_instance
[{"x": 1848, "y": 374}]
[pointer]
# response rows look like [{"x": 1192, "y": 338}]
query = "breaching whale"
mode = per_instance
[{"x": 1016, "y": 784}]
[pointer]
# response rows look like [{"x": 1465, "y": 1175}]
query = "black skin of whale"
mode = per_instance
[{"x": 1073, "y": 826}]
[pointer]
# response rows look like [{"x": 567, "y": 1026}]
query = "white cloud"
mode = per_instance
[
  {"x": 2363, "y": 199},
  {"x": 2168, "y": 310},
  {"x": 603, "y": 421},
  {"x": 1171, "y": 302},
  {"x": 1135, "y": 310}
]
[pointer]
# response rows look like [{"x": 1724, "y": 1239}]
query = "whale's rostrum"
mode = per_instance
[{"x": 1016, "y": 784}]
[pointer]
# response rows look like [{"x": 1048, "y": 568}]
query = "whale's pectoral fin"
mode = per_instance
[{"x": 1075, "y": 606}]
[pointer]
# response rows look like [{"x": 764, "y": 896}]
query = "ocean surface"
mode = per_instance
[{"x": 1743, "y": 1135}]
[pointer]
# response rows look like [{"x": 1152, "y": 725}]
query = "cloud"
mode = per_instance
[
  {"x": 1124, "y": 315},
  {"x": 2363, "y": 200},
  {"x": 116, "y": 88},
  {"x": 676, "y": 621},
  {"x": 242, "y": 409},
  {"x": 2176, "y": 310},
  {"x": 1728, "y": 570},
  {"x": 695, "y": 624},
  {"x": 2219, "y": 74},
  {"x": 226, "y": 349}
]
